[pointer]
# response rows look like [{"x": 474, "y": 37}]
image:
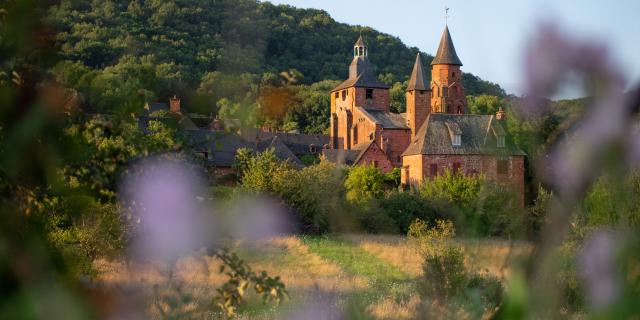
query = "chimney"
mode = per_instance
[
  {"x": 174, "y": 104},
  {"x": 500, "y": 114}
]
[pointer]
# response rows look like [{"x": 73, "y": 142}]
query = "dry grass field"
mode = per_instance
[{"x": 367, "y": 276}]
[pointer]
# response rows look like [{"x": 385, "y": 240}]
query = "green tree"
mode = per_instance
[{"x": 364, "y": 183}]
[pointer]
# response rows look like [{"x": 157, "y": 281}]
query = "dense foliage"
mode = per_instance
[{"x": 223, "y": 57}]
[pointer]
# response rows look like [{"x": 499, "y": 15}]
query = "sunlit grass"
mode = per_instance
[{"x": 369, "y": 276}]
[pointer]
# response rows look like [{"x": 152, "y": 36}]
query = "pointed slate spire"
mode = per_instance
[
  {"x": 446, "y": 52},
  {"x": 417, "y": 80}
]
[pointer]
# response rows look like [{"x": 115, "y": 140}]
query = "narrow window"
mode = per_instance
[
  {"x": 501, "y": 143},
  {"x": 456, "y": 167},
  {"x": 453, "y": 74},
  {"x": 337, "y": 94},
  {"x": 369, "y": 94},
  {"x": 375, "y": 163},
  {"x": 457, "y": 140},
  {"x": 398, "y": 159},
  {"x": 355, "y": 135},
  {"x": 503, "y": 167},
  {"x": 433, "y": 170},
  {"x": 344, "y": 94}
]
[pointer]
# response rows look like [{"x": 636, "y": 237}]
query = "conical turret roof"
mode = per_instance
[
  {"x": 418, "y": 79},
  {"x": 446, "y": 52},
  {"x": 359, "y": 43}
]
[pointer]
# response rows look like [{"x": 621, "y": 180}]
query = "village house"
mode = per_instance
[
  {"x": 435, "y": 134},
  {"x": 216, "y": 141}
]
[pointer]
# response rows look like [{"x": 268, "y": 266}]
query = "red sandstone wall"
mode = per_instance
[
  {"x": 414, "y": 165},
  {"x": 380, "y": 99},
  {"x": 451, "y": 77},
  {"x": 399, "y": 140},
  {"x": 418, "y": 108},
  {"x": 376, "y": 157}
]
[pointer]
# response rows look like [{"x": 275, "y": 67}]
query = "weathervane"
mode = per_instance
[{"x": 446, "y": 14}]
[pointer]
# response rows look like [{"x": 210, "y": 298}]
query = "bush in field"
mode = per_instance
[
  {"x": 405, "y": 207},
  {"x": 478, "y": 206},
  {"x": 445, "y": 278},
  {"x": 538, "y": 213},
  {"x": 444, "y": 275},
  {"x": 314, "y": 193},
  {"x": 364, "y": 183}
]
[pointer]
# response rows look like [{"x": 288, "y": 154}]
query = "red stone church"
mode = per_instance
[{"x": 435, "y": 134}]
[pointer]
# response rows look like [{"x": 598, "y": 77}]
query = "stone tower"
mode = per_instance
[
  {"x": 447, "y": 92},
  {"x": 418, "y": 97},
  {"x": 361, "y": 89}
]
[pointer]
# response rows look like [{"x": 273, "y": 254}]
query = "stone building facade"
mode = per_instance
[{"x": 435, "y": 134}]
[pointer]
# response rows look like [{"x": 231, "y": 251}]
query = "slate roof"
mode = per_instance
[
  {"x": 348, "y": 157},
  {"x": 417, "y": 81},
  {"x": 446, "y": 51},
  {"x": 478, "y": 136},
  {"x": 387, "y": 120},
  {"x": 155, "y": 106},
  {"x": 298, "y": 143},
  {"x": 222, "y": 146},
  {"x": 359, "y": 43}
]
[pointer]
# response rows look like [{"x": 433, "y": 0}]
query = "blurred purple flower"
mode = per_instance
[
  {"x": 597, "y": 268},
  {"x": 550, "y": 60},
  {"x": 162, "y": 196}
]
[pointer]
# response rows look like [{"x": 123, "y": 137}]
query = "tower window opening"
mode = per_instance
[
  {"x": 344, "y": 94},
  {"x": 337, "y": 94}
]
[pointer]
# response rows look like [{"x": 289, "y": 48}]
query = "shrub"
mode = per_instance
[
  {"x": 405, "y": 207},
  {"x": 364, "y": 183},
  {"x": 538, "y": 213},
  {"x": 372, "y": 219},
  {"x": 478, "y": 206},
  {"x": 392, "y": 178},
  {"x": 444, "y": 275},
  {"x": 314, "y": 193}
]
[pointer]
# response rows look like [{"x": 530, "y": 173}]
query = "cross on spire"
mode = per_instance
[{"x": 446, "y": 14}]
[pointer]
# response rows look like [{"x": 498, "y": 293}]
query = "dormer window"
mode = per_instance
[
  {"x": 501, "y": 143},
  {"x": 455, "y": 133},
  {"x": 457, "y": 140}
]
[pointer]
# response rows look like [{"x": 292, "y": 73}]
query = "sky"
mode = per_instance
[{"x": 490, "y": 36}]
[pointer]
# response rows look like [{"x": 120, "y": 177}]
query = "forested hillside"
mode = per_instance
[{"x": 121, "y": 53}]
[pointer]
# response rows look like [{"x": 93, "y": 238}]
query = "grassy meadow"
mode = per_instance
[{"x": 367, "y": 276}]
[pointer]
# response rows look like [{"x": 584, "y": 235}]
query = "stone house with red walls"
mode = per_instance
[{"x": 435, "y": 134}]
